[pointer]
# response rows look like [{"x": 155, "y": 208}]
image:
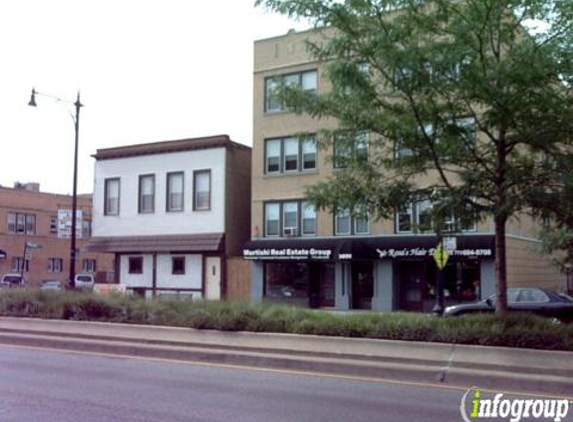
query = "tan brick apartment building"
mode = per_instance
[
  {"x": 28, "y": 215},
  {"x": 320, "y": 260}
]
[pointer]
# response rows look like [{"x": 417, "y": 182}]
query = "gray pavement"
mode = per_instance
[
  {"x": 38, "y": 385},
  {"x": 486, "y": 367}
]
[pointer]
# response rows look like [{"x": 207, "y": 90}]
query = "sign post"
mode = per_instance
[
  {"x": 441, "y": 256},
  {"x": 27, "y": 245}
]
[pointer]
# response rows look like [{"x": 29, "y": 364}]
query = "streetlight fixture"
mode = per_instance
[{"x": 76, "y": 119}]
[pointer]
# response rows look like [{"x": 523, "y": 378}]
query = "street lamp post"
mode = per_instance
[{"x": 76, "y": 119}]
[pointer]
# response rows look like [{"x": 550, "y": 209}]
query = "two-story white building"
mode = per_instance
[{"x": 173, "y": 212}]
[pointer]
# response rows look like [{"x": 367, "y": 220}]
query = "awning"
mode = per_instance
[
  {"x": 205, "y": 242},
  {"x": 373, "y": 247},
  {"x": 2, "y": 254}
]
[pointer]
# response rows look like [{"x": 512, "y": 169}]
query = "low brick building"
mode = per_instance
[{"x": 28, "y": 215}]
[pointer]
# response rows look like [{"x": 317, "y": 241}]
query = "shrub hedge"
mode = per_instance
[{"x": 516, "y": 330}]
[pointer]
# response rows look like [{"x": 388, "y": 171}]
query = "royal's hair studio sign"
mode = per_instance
[
  {"x": 393, "y": 253},
  {"x": 287, "y": 253}
]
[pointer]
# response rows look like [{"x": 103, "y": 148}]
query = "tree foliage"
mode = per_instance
[{"x": 457, "y": 91}]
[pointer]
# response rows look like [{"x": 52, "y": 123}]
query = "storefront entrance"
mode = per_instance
[
  {"x": 411, "y": 281},
  {"x": 362, "y": 285}
]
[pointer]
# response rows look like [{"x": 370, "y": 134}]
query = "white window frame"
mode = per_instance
[
  {"x": 294, "y": 228},
  {"x": 196, "y": 175},
  {"x": 143, "y": 179},
  {"x": 278, "y": 219},
  {"x": 169, "y": 207},
  {"x": 108, "y": 205},
  {"x": 303, "y": 208},
  {"x": 342, "y": 213},
  {"x": 275, "y": 81}
]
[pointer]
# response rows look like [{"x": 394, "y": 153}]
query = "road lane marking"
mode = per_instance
[{"x": 278, "y": 371}]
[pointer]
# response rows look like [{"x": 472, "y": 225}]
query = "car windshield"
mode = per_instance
[
  {"x": 566, "y": 297},
  {"x": 51, "y": 283},
  {"x": 511, "y": 296},
  {"x": 11, "y": 279},
  {"x": 84, "y": 278}
]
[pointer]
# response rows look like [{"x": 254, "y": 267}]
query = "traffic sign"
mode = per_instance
[
  {"x": 450, "y": 244},
  {"x": 30, "y": 245},
  {"x": 441, "y": 256}
]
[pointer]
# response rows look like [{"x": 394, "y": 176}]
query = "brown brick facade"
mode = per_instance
[{"x": 44, "y": 208}]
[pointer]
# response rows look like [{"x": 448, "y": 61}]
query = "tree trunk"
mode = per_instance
[{"x": 500, "y": 266}]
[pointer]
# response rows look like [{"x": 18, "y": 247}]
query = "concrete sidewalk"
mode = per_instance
[{"x": 486, "y": 367}]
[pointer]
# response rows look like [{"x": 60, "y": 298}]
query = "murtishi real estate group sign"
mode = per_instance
[{"x": 287, "y": 253}]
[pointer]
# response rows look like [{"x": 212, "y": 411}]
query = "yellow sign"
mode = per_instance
[{"x": 441, "y": 256}]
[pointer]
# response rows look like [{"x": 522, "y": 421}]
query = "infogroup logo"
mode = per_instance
[{"x": 475, "y": 406}]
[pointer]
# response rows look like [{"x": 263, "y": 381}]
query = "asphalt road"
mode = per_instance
[{"x": 46, "y": 386}]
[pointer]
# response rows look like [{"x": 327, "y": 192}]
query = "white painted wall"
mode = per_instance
[
  {"x": 190, "y": 280},
  {"x": 145, "y": 279},
  {"x": 131, "y": 223}
]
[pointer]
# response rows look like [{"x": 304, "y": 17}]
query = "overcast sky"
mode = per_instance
[{"x": 148, "y": 70}]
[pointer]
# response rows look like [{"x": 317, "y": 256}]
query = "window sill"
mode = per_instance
[{"x": 290, "y": 174}]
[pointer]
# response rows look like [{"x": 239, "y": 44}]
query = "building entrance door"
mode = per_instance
[
  {"x": 213, "y": 278},
  {"x": 327, "y": 284},
  {"x": 411, "y": 282},
  {"x": 362, "y": 285}
]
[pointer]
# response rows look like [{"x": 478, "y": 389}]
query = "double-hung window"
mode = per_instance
[
  {"x": 308, "y": 219},
  {"x": 17, "y": 263},
  {"x": 175, "y": 191},
  {"x": 55, "y": 265},
  {"x": 89, "y": 265},
  {"x": 307, "y": 81},
  {"x": 111, "y": 195},
  {"x": 289, "y": 218},
  {"x": 21, "y": 223},
  {"x": 273, "y": 156},
  {"x": 290, "y": 155},
  {"x": 272, "y": 219},
  {"x": 202, "y": 190},
  {"x": 419, "y": 217},
  {"x": 350, "y": 146},
  {"x": 146, "y": 193},
  {"x": 346, "y": 224}
]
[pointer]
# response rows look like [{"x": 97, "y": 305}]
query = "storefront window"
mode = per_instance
[
  {"x": 461, "y": 282},
  {"x": 287, "y": 282}
]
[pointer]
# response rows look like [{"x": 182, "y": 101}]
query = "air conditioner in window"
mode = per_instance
[{"x": 289, "y": 231}]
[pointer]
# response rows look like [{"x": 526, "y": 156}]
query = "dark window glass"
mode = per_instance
[
  {"x": 135, "y": 265},
  {"x": 178, "y": 265},
  {"x": 287, "y": 282}
]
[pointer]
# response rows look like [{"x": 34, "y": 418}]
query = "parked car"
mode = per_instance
[
  {"x": 12, "y": 280},
  {"x": 84, "y": 281},
  {"x": 535, "y": 300},
  {"x": 52, "y": 285}
]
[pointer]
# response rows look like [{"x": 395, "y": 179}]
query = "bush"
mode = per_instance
[{"x": 513, "y": 331}]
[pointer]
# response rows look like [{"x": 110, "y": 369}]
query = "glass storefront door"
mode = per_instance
[{"x": 362, "y": 285}]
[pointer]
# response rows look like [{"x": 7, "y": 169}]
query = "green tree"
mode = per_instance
[
  {"x": 423, "y": 77},
  {"x": 554, "y": 205}
]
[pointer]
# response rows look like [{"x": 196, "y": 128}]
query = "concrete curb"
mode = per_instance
[{"x": 486, "y": 367}]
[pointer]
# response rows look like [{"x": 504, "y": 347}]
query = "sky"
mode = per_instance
[{"x": 147, "y": 70}]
